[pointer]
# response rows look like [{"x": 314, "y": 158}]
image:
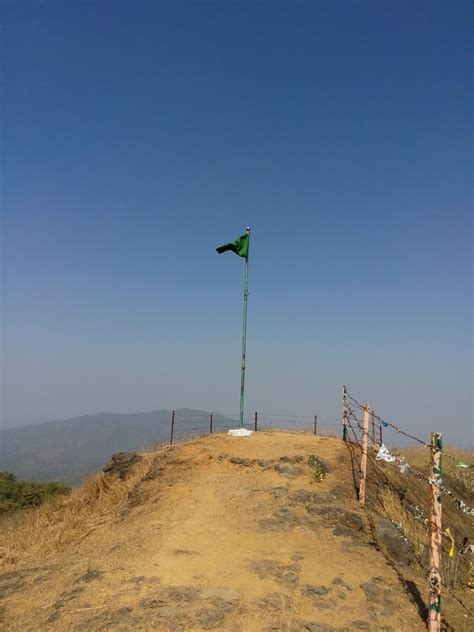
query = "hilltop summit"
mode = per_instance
[{"x": 224, "y": 533}]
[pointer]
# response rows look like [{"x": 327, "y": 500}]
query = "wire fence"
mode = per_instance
[
  {"x": 370, "y": 434},
  {"x": 377, "y": 437},
  {"x": 184, "y": 425}
]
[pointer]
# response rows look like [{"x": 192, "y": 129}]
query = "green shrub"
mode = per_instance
[
  {"x": 318, "y": 469},
  {"x": 17, "y": 494}
]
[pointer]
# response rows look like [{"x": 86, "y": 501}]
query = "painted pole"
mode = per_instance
[
  {"x": 210, "y": 424},
  {"x": 172, "y": 427},
  {"x": 434, "y": 574},
  {"x": 363, "y": 461},
  {"x": 244, "y": 334},
  {"x": 345, "y": 406},
  {"x": 315, "y": 424},
  {"x": 255, "y": 422}
]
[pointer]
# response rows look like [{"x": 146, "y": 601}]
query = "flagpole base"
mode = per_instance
[{"x": 240, "y": 432}]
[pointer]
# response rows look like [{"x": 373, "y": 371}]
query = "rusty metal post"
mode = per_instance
[
  {"x": 255, "y": 422},
  {"x": 210, "y": 424},
  {"x": 172, "y": 428},
  {"x": 315, "y": 424},
  {"x": 434, "y": 573},
  {"x": 363, "y": 460},
  {"x": 380, "y": 434},
  {"x": 373, "y": 426}
]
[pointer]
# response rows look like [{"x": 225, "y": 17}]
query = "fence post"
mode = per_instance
[
  {"x": 380, "y": 434},
  {"x": 344, "y": 412},
  {"x": 373, "y": 426},
  {"x": 172, "y": 428},
  {"x": 210, "y": 424},
  {"x": 255, "y": 422},
  {"x": 363, "y": 460},
  {"x": 315, "y": 424},
  {"x": 434, "y": 575}
]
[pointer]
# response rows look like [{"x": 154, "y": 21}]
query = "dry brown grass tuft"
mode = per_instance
[
  {"x": 62, "y": 523},
  {"x": 417, "y": 456},
  {"x": 414, "y": 530}
]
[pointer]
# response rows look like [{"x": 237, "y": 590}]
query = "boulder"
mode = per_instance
[
  {"x": 122, "y": 463},
  {"x": 399, "y": 548}
]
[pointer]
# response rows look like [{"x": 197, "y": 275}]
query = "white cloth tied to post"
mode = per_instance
[{"x": 384, "y": 455}]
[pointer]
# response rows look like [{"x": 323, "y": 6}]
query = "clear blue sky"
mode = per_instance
[{"x": 137, "y": 137}]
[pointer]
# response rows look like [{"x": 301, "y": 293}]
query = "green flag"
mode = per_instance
[{"x": 240, "y": 246}]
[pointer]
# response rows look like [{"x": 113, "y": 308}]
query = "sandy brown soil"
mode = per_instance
[{"x": 209, "y": 543}]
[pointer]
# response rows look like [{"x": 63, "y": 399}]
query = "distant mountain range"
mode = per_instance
[{"x": 71, "y": 449}]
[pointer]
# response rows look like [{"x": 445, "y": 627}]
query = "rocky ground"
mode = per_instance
[{"x": 233, "y": 534}]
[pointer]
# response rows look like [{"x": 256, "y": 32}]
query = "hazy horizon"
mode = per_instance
[{"x": 139, "y": 137}]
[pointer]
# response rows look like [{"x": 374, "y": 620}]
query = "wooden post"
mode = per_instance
[
  {"x": 255, "y": 422},
  {"x": 172, "y": 428},
  {"x": 373, "y": 426},
  {"x": 434, "y": 574},
  {"x": 363, "y": 460},
  {"x": 210, "y": 424},
  {"x": 344, "y": 412},
  {"x": 315, "y": 424}
]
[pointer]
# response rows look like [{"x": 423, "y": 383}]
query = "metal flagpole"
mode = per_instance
[{"x": 244, "y": 332}]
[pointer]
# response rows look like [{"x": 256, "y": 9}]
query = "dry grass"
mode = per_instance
[
  {"x": 62, "y": 523},
  {"x": 414, "y": 530}
]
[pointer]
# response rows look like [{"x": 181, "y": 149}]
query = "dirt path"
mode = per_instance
[{"x": 229, "y": 534}]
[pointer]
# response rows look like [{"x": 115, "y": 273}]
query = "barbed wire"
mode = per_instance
[
  {"x": 260, "y": 420},
  {"x": 207, "y": 415},
  {"x": 384, "y": 424},
  {"x": 251, "y": 415},
  {"x": 418, "y": 513},
  {"x": 459, "y": 502}
]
